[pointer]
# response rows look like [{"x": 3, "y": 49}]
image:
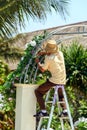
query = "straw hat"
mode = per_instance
[{"x": 51, "y": 46}]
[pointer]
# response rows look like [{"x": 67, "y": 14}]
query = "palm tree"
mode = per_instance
[{"x": 12, "y": 13}]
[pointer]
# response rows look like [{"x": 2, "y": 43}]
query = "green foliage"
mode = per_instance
[
  {"x": 76, "y": 65},
  {"x": 83, "y": 108},
  {"x": 3, "y": 71},
  {"x": 81, "y": 124},
  {"x": 13, "y": 13},
  {"x": 20, "y": 72},
  {"x": 77, "y": 102},
  {"x": 7, "y": 108},
  {"x": 8, "y": 90},
  {"x": 8, "y": 50}
]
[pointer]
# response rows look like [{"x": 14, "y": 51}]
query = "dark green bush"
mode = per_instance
[{"x": 76, "y": 65}]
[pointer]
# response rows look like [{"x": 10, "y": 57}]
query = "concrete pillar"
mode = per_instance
[{"x": 25, "y": 107}]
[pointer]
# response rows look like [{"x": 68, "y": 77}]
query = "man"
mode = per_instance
[{"x": 54, "y": 63}]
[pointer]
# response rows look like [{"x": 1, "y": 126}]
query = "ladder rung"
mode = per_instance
[
  {"x": 44, "y": 117},
  {"x": 61, "y": 101},
  {"x": 48, "y": 101},
  {"x": 64, "y": 117},
  {"x": 57, "y": 101}
]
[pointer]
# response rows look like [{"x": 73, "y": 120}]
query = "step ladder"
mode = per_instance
[{"x": 54, "y": 101}]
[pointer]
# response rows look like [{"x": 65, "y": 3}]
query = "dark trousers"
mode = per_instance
[{"x": 42, "y": 90}]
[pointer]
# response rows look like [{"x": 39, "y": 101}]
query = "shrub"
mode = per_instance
[
  {"x": 3, "y": 71},
  {"x": 76, "y": 66}
]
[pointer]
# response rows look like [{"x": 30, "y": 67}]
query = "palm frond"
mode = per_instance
[{"x": 13, "y": 12}]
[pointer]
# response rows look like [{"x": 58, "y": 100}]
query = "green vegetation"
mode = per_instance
[
  {"x": 13, "y": 13},
  {"x": 7, "y": 51},
  {"x": 76, "y": 66},
  {"x": 3, "y": 71},
  {"x": 76, "y": 69}
]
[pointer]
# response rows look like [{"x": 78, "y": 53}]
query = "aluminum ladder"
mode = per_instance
[{"x": 54, "y": 101}]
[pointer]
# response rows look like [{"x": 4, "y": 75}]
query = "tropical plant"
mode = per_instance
[
  {"x": 13, "y": 13},
  {"x": 76, "y": 66}
]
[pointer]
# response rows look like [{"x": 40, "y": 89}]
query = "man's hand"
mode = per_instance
[
  {"x": 37, "y": 60},
  {"x": 41, "y": 53}
]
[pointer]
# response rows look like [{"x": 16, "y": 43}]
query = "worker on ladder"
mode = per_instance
[{"x": 54, "y": 63}]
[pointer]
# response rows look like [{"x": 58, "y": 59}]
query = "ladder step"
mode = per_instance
[
  {"x": 59, "y": 117},
  {"x": 61, "y": 101},
  {"x": 52, "y": 101},
  {"x": 64, "y": 117},
  {"x": 44, "y": 117}
]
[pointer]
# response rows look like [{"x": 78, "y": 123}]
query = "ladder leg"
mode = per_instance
[
  {"x": 62, "y": 124},
  {"x": 39, "y": 124},
  {"x": 52, "y": 108},
  {"x": 41, "y": 119},
  {"x": 69, "y": 114},
  {"x": 59, "y": 111},
  {"x": 50, "y": 117},
  {"x": 47, "y": 96}
]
